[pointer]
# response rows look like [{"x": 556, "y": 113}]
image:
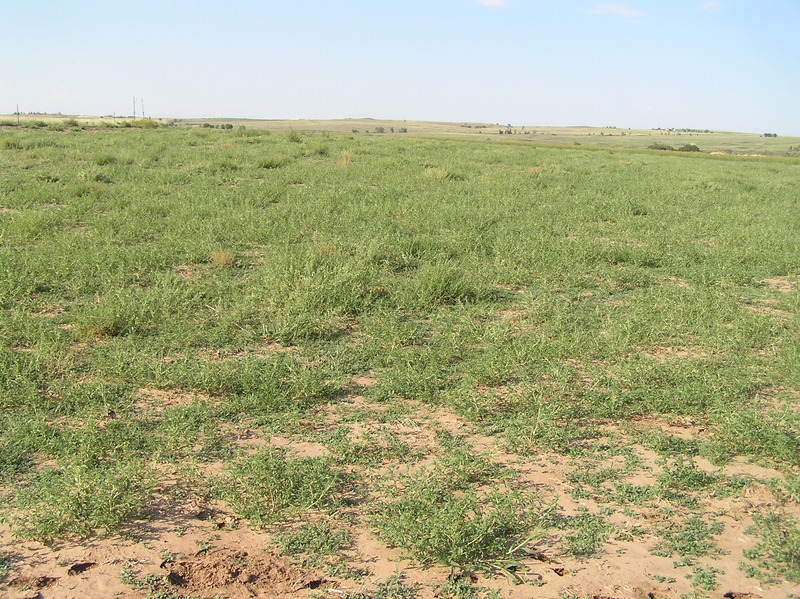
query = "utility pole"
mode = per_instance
[
  {"x": 134, "y": 108},
  {"x": 142, "y": 99},
  {"x": 17, "y": 115}
]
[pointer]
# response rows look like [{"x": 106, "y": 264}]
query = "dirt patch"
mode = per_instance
[
  {"x": 677, "y": 282},
  {"x": 782, "y": 284},
  {"x": 662, "y": 354},
  {"x": 365, "y": 381},
  {"x": 237, "y": 574},
  {"x": 765, "y": 307}
]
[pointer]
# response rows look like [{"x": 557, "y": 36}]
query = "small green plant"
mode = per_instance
[
  {"x": 104, "y": 159},
  {"x": 319, "y": 149},
  {"x": 704, "y": 578},
  {"x": 268, "y": 485},
  {"x": 272, "y": 162},
  {"x": 441, "y": 174},
  {"x": 433, "y": 524},
  {"x": 315, "y": 540},
  {"x": 684, "y": 474},
  {"x": 778, "y": 552},
  {"x": 690, "y": 537},
  {"x": 157, "y": 585},
  {"x": 463, "y": 587},
  {"x": 588, "y": 533},
  {"x": 5, "y": 565},
  {"x": 75, "y": 500},
  {"x": 394, "y": 587}
]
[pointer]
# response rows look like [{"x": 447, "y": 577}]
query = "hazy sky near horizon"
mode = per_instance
[{"x": 705, "y": 64}]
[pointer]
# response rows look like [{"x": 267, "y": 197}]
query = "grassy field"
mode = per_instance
[
  {"x": 502, "y": 358},
  {"x": 744, "y": 144}
]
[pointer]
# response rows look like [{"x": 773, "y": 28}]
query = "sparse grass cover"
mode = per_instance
[{"x": 180, "y": 300}]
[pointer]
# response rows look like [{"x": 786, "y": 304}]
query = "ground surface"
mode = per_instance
[{"x": 243, "y": 363}]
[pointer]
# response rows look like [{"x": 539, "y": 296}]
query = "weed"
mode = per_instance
[
  {"x": 76, "y": 499},
  {"x": 319, "y": 149},
  {"x": 5, "y": 565},
  {"x": 441, "y": 174},
  {"x": 434, "y": 524},
  {"x": 268, "y": 485},
  {"x": 787, "y": 489},
  {"x": 464, "y": 587},
  {"x": 778, "y": 552},
  {"x": 315, "y": 540},
  {"x": 393, "y": 587},
  {"x": 272, "y": 163},
  {"x": 704, "y": 578},
  {"x": 690, "y": 537},
  {"x": 588, "y": 533},
  {"x": 104, "y": 159},
  {"x": 683, "y": 474}
]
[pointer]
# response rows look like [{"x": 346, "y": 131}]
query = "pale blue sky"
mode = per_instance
[{"x": 720, "y": 64}]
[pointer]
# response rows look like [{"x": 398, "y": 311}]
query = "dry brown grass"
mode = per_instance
[
  {"x": 347, "y": 157},
  {"x": 222, "y": 259}
]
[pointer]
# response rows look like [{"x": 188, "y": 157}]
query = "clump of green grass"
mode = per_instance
[
  {"x": 269, "y": 485},
  {"x": 434, "y": 524},
  {"x": 77, "y": 499},
  {"x": 319, "y": 149},
  {"x": 442, "y": 174},
  {"x": 104, "y": 159},
  {"x": 272, "y": 162}
]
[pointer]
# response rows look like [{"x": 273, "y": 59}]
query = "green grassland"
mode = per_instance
[
  {"x": 746, "y": 144},
  {"x": 166, "y": 292}
]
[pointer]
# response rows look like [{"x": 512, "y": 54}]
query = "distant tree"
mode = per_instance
[
  {"x": 354, "y": 130},
  {"x": 379, "y": 129},
  {"x": 688, "y": 148},
  {"x": 403, "y": 130}
]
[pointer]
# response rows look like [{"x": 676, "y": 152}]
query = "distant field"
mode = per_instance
[
  {"x": 426, "y": 364},
  {"x": 712, "y": 141}
]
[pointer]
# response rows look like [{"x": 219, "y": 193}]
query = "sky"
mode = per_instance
[{"x": 728, "y": 65}]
